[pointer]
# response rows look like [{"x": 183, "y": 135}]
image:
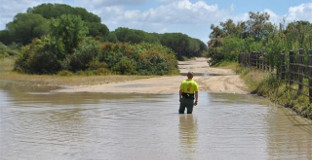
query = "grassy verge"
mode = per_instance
[
  {"x": 229, "y": 65},
  {"x": 279, "y": 92},
  {"x": 267, "y": 85},
  {"x": 7, "y": 64}
]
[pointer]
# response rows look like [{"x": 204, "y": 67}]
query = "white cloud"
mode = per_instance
[
  {"x": 274, "y": 18},
  {"x": 8, "y": 9},
  {"x": 240, "y": 17},
  {"x": 301, "y": 12},
  {"x": 174, "y": 13},
  {"x": 108, "y": 3},
  {"x": 192, "y": 17}
]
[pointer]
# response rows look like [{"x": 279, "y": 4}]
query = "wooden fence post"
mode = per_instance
[
  {"x": 246, "y": 59},
  {"x": 291, "y": 62},
  {"x": 259, "y": 60},
  {"x": 282, "y": 65},
  {"x": 300, "y": 69},
  {"x": 249, "y": 59},
  {"x": 256, "y": 59},
  {"x": 310, "y": 76},
  {"x": 265, "y": 65},
  {"x": 253, "y": 59}
]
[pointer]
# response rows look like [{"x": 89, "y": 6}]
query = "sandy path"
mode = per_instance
[{"x": 226, "y": 81}]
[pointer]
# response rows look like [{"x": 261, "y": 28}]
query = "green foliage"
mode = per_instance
[
  {"x": 259, "y": 26},
  {"x": 35, "y": 23},
  {"x": 53, "y": 11},
  {"x": 70, "y": 30},
  {"x": 233, "y": 47},
  {"x": 181, "y": 44},
  {"x": 101, "y": 71},
  {"x": 97, "y": 29},
  {"x": 125, "y": 66},
  {"x": 257, "y": 34},
  {"x": 5, "y": 37},
  {"x": 111, "y": 37},
  {"x": 65, "y": 73},
  {"x": 3, "y": 50},
  {"x": 38, "y": 58},
  {"x": 83, "y": 55},
  {"x": 143, "y": 58},
  {"x": 130, "y": 35},
  {"x": 94, "y": 58},
  {"x": 26, "y": 27},
  {"x": 56, "y": 41},
  {"x": 299, "y": 35},
  {"x": 280, "y": 93}
]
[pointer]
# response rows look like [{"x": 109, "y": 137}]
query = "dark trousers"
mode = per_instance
[{"x": 186, "y": 103}]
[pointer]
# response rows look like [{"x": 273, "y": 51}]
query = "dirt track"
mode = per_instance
[{"x": 209, "y": 79}]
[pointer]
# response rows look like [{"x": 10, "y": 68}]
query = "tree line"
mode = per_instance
[
  {"x": 56, "y": 32},
  {"x": 228, "y": 39}
]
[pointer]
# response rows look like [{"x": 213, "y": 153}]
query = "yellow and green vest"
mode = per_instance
[{"x": 189, "y": 86}]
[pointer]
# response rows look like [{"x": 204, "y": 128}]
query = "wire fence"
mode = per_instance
[{"x": 295, "y": 68}]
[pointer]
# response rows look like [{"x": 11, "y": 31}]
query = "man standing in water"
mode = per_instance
[{"x": 188, "y": 89}]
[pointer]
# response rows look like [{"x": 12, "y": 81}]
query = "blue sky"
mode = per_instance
[{"x": 191, "y": 17}]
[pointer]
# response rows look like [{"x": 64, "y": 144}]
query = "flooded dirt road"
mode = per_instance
[
  {"x": 36, "y": 125},
  {"x": 210, "y": 79}
]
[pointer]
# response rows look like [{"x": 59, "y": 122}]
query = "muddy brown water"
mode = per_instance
[{"x": 39, "y": 125}]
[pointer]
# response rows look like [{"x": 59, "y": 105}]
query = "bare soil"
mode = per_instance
[{"x": 208, "y": 78}]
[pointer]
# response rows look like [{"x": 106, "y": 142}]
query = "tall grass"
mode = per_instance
[
  {"x": 6, "y": 65},
  {"x": 267, "y": 85}
]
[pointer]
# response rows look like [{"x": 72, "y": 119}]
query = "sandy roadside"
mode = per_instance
[{"x": 225, "y": 81}]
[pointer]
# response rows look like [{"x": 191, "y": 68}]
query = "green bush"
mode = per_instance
[
  {"x": 95, "y": 64},
  {"x": 101, "y": 71},
  {"x": 44, "y": 56},
  {"x": 143, "y": 58},
  {"x": 3, "y": 50},
  {"x": 125, "y": 66},
  {"x": 83, "y": 55},
  {"x": 65, "y": 73},
  {"x": 38, "y": 58}
]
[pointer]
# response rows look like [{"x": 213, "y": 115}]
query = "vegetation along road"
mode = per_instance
[{"x": 209, "y": 79}]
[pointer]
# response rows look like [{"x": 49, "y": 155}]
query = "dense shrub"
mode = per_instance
[
  {"x": 65, "y": 73},
  {"x": 39, "y": 58},
  {"x": 101, "y": 71},
  {"x": 3, "y": 50},
  {"x": 125, "y": 66},
  {"x": 181, "y": 44},
  {"x": 143, "y": 58},
  {"x": 83, "y": 55}
]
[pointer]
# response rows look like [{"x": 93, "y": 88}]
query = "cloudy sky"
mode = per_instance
[{"x": 192, "y": 17}]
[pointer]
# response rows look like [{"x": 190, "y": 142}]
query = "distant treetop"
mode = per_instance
[{"x": 48, "y": 11}]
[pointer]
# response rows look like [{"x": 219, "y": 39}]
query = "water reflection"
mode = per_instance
[
  {"x": 87, "y": 126},
  {"x": 291, "y": 142},
  {"x": 188, "y": 135}
]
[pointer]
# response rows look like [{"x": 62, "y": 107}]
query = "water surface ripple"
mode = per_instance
[{"x": 86, "y": 126}]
